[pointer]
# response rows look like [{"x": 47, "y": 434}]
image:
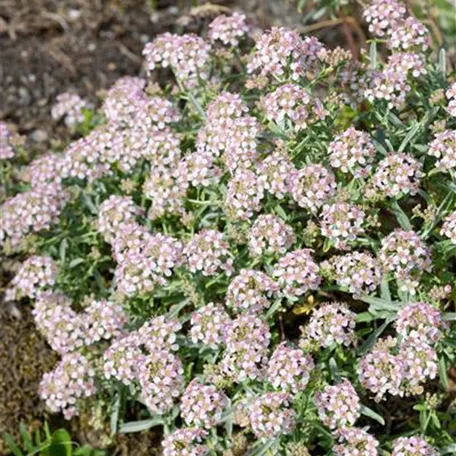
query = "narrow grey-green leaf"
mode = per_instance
[
  {"x": 372, "y": 339},
  {"x": 381, "y": 304},
  {"x": 366, "y": 411},
  {"x": 450, "y": 449},
  {"x": 138, "y": 426},
  {"x": 442, "y": 61},
  {"x": 443, "y": 374},
  {"x": 401, "y": 216},
  {"x": 334, "y": 370},
  {"x": 410, "y": 135},
  {"x": 115, "y": 414},
  {"x": 373, "y": 55}
]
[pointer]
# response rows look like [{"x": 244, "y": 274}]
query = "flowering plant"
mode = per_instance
[{"x": 175, "y": 251}]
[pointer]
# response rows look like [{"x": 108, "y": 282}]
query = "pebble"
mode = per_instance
[
  {"x": 39, "y": 136},
  {"x": 24, "y": 96}
]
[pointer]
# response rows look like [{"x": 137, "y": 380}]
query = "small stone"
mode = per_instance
[
  {"x": 24, "y": 96},
  {"x": 39, "y": 136}
]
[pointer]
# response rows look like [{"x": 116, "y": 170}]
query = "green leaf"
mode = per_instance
[
  {"x": 11, "y": 444},
  {"x": 364, "y": 317},
  {"x": 62, "y": 249},
  {"x": 75, "y": 262},
  {"x": 334, "y": 370},
  {"x": 273, "y": 309},
  {"x": 366, "y": 411},
  {"x": 372, "y": 339},
  {"x": 410, "y": 135},
  {"x": 385, "y": 290},
  {"x": 380, "y": 148},
  {"x": 449, "y": 316},
  {"x": 301, "y": 4},
  {"x": 443, "y": 372},
  {"x": 395, "y": 120},
  {"x": 115, "y": 414},
  {"x": 450, "y": 449},
  {"x": 442, "y": 61},
  {"x": 263, "y": 448},
  {"x": 401, "y": 216},
  {"x": 89, "y": 204},
  {"x": 280, "y": 211},
  {"x": 61, "y": 444},
  {"x": 138, "y": 426},
  {"x": 47, "y": 431},
  {"x": 373, "y": 55},
  {"x": 378, "y": 304},
  {"x": 26, "y": 437}
]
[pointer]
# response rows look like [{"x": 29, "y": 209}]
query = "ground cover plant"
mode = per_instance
[{"x": 259, "y": 256}]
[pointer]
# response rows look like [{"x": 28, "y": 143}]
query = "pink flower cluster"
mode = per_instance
[
  {"x": 45, "y": 169},
  {"x": 352, "y": 152},
  {"x": 358, "y": 272},
  {"x": 402, "y": 367},
  {"x": 331, "y": 323},
  {"x": 120, "y": 360},
  {"x": 145, "y": 260},
  {"x": 270, "y": 235},
  {"x": 207, "y": 252},
  {"x": 208, "y": 325},
  {"x": 289, "y": 369},
  {"x": 202, "y": 405},
  {"x": 398, "y": 174},
  {"x": 275, "y": 173},
  {"x": 380, "y": 371},
  {"x": 271, "y": 416},
  {"x": 422, "y": 320},
  {"x": 449, "y": 227},
  {"x": 36, "y": 274},
  {"x": 6, "y": 147},
  {"x": 229, "y": 30},
  {"x": 188, "y": 56},
  {"x": 282, "y": 52},
  {"x": 244, "y": 194},
  {"x": 31, "y": 212},
  {"x": 68, "y": 384},
  {"x": 389, "y": 17},
  {"x": 69, "y": 107},
  {"x": 160, "y": 376},
  {"x": 412, "y": 446},
  {"x": 355, "y": 441},
  {"x": 166, "y": 191},
  {"x": 185, "y": 442},
  {"x": 103, "y": 320},
  {"x": 297, "y": 272},
  {"x": 341, "y": 223},
  {"x": 339, "y": 405},
  {"x": 58, "y": 322},
  {"x": 405, "y": 255},
  {"x": 443, "y": 147},
  {"x": 451, "y": 97},
  {"x": 312, "y": 186},
  {"x": 247, "y": 339},
  {"x": 114, "y": 213},
  {"x": 159, "y": 332},
  {"x": 291, "y": 107},
  {"x": 67, "y": 331},
  {"x": 250, "y": 291}
]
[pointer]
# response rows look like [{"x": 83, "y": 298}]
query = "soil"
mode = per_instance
[
  {"x": 52, "y": 46},
  {"x": 24, "y": 356}
]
